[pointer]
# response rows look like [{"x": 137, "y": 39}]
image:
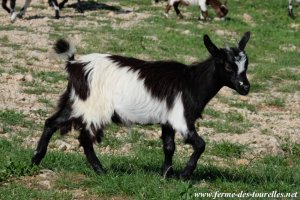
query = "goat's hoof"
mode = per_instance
[
  {"x": 291, "y": 16},
  {"x": 168, "y": 172},
  {"x": 180, "y": 16},
  {"x": 35, "y": 160},
  {"x": 13, "y": 17},
  {"x": 99, "y": 170},
  {"x": 184, "y": 175},
  {"x": 20, "y": 16},
  {"x": 166, "y": 15},
  {"x": 57, "y": 14}
]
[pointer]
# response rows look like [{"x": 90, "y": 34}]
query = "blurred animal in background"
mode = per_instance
[
  {"x": 10, "y": 10},
  {"x": 290, "y": 8},
  {"x": 57, "y": 6},
  {"x": 220, "y": 9}
]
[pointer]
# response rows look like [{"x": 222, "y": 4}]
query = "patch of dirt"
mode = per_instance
[{"x": 248, "y": 19}]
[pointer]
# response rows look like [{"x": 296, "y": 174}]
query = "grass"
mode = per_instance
[
  {"x": 127, "y": 174},
  {"x": 147, "y": 35},
  {"x": 231, "y": 122},
  {"x": 11, "y": 118},
  {"x": 276, "y": 102},
  {"x": 227, "y": 149}
]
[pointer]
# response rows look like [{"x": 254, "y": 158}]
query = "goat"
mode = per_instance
[
  {"x": 290, "y": 8},
  {"x": 53, "y": 3},
  {"x": 104, "y": 88},
  {"x": 220, "y": 9}
]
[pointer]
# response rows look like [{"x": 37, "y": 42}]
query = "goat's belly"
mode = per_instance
[
  {"x": 192, "y": 2},
  {"x": 140, "y": 107}
]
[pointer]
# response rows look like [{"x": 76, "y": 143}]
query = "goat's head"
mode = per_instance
[
  {"x": 231, "y": 64},
  {"x": 222, "y": 10}
]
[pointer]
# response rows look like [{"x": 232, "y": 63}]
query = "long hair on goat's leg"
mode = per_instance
[{"x": 168, "y": 135}]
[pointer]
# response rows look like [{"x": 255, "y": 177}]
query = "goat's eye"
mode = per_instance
[{"x": 228, "y": 67}]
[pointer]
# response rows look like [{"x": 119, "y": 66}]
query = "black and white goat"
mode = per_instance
[
  {"x": 54, "y": 3},
  {"x": 105, "y": 88},
  {"x": 220, "y": 9}
]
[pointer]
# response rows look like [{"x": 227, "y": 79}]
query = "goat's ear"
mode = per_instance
[
  {"x": 243, "y": 41},
  {"x": 212, "y": 49}
]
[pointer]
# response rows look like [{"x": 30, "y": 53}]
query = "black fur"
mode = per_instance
[
  {"x": 61, "y": 46},
  {"x": 78, "y": 79},
  {"x": 12, "y": 6}
]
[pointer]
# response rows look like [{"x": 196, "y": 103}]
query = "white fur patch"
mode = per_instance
[
  {"x": 13, "y": 17},
  {"x": 240, "y": 61},
  {"x": 201, "y": 3},
  {"x": 116, "y": 89},
  {"x": 176, "y": 117}
]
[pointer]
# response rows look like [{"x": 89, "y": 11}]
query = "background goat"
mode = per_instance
[
  {"x": 53, "y": 3},
  {"x": 105, "y": 88},
  {"x": 220, "y": 9}
]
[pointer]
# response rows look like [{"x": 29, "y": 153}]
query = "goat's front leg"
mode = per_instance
[
  {"x": 198, "y": 145},
  {"x": 167, "y": 137},
  {"x": 87, "y": 143}
]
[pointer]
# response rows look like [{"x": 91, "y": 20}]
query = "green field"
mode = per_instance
[{"x": 253, "y": 142}]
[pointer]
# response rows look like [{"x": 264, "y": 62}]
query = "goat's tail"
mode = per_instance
[{"x": 64, "y": 50}]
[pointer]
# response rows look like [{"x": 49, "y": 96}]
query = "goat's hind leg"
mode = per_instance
[
  {"x": 56, "y": 8},
  {"x": 176, "y": 4},
  {"x": 167, "y": 137},
  {"x": 4, "y": 6},
  {"x": 86, "y": 141},
  {"x": 23, "y": 9},
  {"x": 58, "y": 120}
]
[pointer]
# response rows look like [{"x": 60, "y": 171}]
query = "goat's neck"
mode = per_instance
[{"x": 205, "y": 83}]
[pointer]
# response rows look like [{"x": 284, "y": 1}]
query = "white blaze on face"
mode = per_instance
[{"x": 240, "y": 61}]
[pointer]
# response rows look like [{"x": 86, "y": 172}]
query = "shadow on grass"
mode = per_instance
[{"x": 92, "y": 5}]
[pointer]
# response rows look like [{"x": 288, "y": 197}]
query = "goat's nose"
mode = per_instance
[{"x": 246, "y": 87}]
